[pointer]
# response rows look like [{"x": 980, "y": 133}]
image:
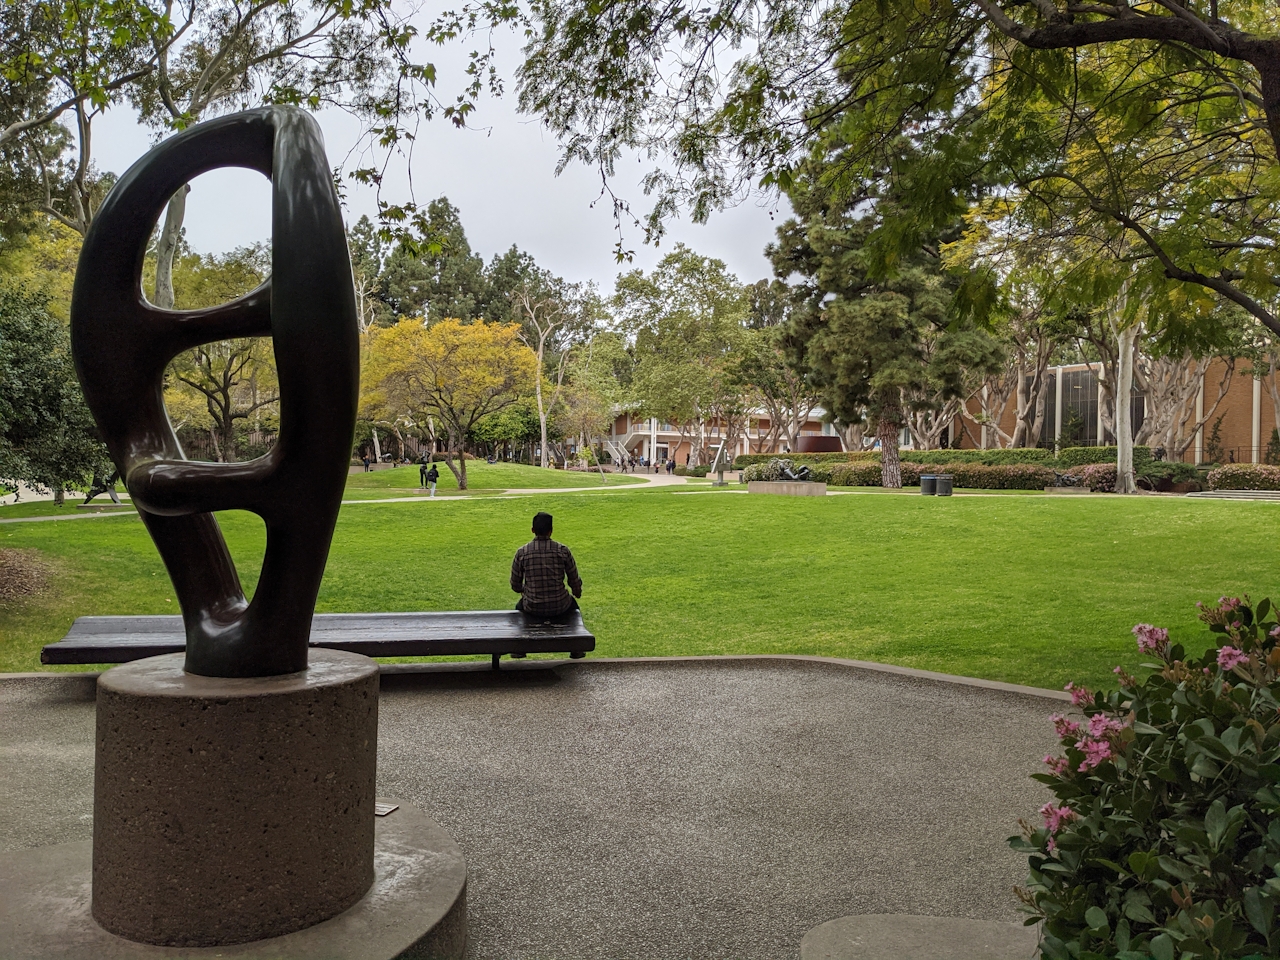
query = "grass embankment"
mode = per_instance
[{"x": 1034, "y": 590}]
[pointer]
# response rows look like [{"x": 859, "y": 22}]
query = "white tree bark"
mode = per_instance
[
  {"x": 1126, "y": 343},
  {"x": 167, "y": 246}
]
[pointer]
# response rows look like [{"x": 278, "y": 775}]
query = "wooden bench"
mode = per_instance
[{"x": 495, "y": 632}]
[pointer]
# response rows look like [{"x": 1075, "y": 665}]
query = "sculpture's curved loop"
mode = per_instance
[{"x": 122, "y": 344}]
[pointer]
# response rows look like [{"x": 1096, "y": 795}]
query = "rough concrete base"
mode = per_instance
[
  {"x": 902, "y": 937},
  {"x": 415, "y": 910},
  {"x": 228, "y": 810},
  {"x": 790, "y": 488}
]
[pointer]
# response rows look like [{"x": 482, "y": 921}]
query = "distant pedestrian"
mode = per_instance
[
  {"x": 422, "y": 473},
  {"x": 365, "y": 458},
  {"x": 432, "y": 476}
]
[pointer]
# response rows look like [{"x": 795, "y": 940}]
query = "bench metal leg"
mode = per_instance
[
  {"x": 576, "y": 655},
  {"x": 495, "y": 660}
]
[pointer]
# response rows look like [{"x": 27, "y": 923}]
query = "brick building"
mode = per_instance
[{"x": 1243, "y": 420}]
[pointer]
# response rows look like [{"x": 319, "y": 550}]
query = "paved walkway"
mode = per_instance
[{"x": 663, "y": 811}]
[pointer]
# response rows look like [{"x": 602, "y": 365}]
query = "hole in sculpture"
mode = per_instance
[
  {"x": 221, "y": 397},
  {"x": 246, "y": 537}
]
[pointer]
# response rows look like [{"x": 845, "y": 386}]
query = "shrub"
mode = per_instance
[
  {"x": 1163, "y": 841},
  {"x": 1245, "y": 476},
  {"x": 863, "y": 474},
  {"x": 1010, "y": 476},
  {"x": 991, "y": 458},
  {"x": 702, "y": 471},
  {"x": 1079, "y": 456},
  {"x": 746, "y": 459},
  {"x": 1098, "y": 477},
  {"x": 1162, "y": 475}
]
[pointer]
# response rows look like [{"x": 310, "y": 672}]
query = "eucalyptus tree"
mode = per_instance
[
  {"x": 63, "y": 63},
  {"x": 685, "y": 319}
]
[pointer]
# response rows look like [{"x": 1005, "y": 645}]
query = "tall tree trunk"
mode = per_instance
[
  {"x": 1126, "y": 339},
  {"x": 459, "y": 472},
  {"x": 542, "y": 413},
  {"x": 168, "y": 246},
  {"x": 377, "y": 447},
  {"x": 890, "y": 466}
]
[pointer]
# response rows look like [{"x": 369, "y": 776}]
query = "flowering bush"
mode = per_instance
[
  {"x": 1098, "y": 477},
  {"x": 1245, "y": 476},
  {"x": 1163, "y": 840}
]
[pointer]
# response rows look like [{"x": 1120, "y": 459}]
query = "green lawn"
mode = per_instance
[
  {"x": 1035, "y": 590},
  {"x": 481, "y": 478}
]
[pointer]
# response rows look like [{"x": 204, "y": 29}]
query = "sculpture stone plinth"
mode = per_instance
[{"x": 232, "y": 809}]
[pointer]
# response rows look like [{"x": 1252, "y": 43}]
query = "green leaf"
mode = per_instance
[
  {"x": 1161, "y": 947},
  {"x": 1216, "y": 823},
  {"x": 1138, "y": 913},
  {"x": 1096, "y": 918},
  {"x": 1259, "y": 910}
]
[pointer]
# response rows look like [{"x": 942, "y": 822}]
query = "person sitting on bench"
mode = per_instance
[{"x": 539, "y": 571}]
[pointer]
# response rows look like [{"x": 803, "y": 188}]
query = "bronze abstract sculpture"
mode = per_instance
[{"x": 122, "y": 344}]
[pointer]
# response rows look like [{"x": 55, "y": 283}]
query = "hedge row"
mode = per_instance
[
  {"x": 1245, "y": 476},
  {"x": 971, "y": 476},
  {"x": 1067, "y": 458},
  {"x": 1080, "y": 456},
  {"x": 990, "y": 458},
  {"x": 746, "y": 459}
]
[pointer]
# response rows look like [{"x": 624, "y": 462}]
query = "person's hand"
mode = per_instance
[{"x": 577, "y": 594}]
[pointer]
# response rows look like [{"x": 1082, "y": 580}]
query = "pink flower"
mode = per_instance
[
  {"x": 1058, "y": 765},
  {"x": 1275, "y": 632},
  {"x": 1228, "y": 603},
  {"x": 1151, "y": 639},
  {"x": 1053, "y": 845},
  {"x": 1055, "y": 817},
  {"x": 1079, "y": 695},
  {"x": 1101, "y": 727},
  {"x": 1229, "y": 658},
  {"x": 1064, "y": 727},
  {"x": 1095, "y": 753}
]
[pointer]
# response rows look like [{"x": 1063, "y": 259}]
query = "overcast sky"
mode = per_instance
[{"x": 500, "y": 175}]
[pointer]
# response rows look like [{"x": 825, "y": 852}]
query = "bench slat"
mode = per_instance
[{"x": 122, "y": 639}]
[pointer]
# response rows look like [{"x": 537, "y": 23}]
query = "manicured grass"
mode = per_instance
[
  {"x": 47, "y": 508},
  {"x": 1036, "y": 590},
  {"x": 481, "y": 477}
]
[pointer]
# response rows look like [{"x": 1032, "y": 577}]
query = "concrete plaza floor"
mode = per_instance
[{"x": 655, "y": 811}]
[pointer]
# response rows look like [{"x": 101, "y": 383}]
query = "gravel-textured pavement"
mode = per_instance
[{"x": 664, "y": 811}]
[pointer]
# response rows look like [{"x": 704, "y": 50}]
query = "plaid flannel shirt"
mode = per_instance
[{"x": 538, "y": 573}]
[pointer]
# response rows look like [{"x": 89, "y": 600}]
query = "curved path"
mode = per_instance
[{"x": 662, "y": 810}]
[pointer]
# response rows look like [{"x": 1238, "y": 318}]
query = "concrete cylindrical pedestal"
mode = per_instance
[{"x": 229, "y": 810}]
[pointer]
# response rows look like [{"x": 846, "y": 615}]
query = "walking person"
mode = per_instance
[
  {"x": 422, "y": 473},
  {"x": 365, "y": 458},
  {"x": 432, "y": 476},
  {"x": 539, "y": 571}
]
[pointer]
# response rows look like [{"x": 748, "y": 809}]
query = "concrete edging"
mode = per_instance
[{"x": 512, "y": 665}]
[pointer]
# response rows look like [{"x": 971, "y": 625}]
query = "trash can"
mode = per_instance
[
  {"x": 943, "y": 484},
  {"x": 928, "y": 484}
]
